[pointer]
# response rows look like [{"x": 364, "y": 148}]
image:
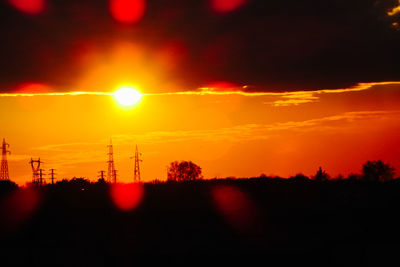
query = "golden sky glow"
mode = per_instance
[{"x": 226, "y": 133}]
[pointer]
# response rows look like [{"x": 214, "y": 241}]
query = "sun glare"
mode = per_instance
[{"x": 127, "y": 96}]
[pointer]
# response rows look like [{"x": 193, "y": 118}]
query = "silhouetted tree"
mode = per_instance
[
  {"x": 62, "y": 182},
  {"x": 321, "y": 175},
  {"x": 299, "y": 177},
  {"x": 183, "y": 171},
  {"x": 377, "y": 170},
  {"x": 101, "y": 181},
  {"x": 79, "y": 181},
  {"x": 173, "y": 173},
  {"x": 353, "y": 176},
  {"x": 156, "y": 181},
  {"x": 75, "y": 182},
  {"x": 339, "y": 177},
  {"x": 7, "y": 186}
]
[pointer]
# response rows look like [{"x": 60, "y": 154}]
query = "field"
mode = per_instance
[{"x": 230, "y": 220}]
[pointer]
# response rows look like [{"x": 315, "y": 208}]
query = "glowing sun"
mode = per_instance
[{"x": 127, "y": 96}]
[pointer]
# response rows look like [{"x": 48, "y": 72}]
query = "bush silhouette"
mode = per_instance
[
  {"x": 377, "y": 170},
  {"x": 299, "y": 177},
  {"x": 7, "y": 186},
  {"x": 354, "y": 176}
]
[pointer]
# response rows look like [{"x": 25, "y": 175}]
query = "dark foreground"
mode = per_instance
[{"x": 249, "y": 222}]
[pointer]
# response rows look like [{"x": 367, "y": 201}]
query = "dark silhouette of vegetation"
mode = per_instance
[
  {"x": 101, "y": 181},
  {"x": 377, "y": 171},
  {"x": 183, "y": 171},
  {"x": 339, "y": 177},
  {"x": 299, "y": 177},
  {"x": 7, "y": 186},
  {"x": 317, "y": 219},
  {"x": 321, "y": 175},
  {"x": 82, "y": 182},
  {"x": 171, "y": 214},
  {"x": 354, "y": 176},
  {"x": 63, "y": 181}
]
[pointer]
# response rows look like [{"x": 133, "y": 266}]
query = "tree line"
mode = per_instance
[{"x": 375, "y": 170}]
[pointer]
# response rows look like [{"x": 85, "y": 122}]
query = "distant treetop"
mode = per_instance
[
  {"x": 183, "y": 171},
  {"x": 377, "y": 170}
]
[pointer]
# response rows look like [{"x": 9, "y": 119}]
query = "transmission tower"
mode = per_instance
[
  {"x": 36, "y": 171},
  {"x": 4, "y": 175},
  {"x": 52, "y": 173},
  {"x": 111, "y": 174},
  {"x": 136, "y": 173}
]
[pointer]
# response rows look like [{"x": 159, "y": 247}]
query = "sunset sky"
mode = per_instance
[{"x": 240, "y": 87}]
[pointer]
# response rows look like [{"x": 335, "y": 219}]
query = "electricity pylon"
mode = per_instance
[
  {"x": 4, "y": 175},
  {"x": 36, "y": 177},
  {"x": 136, "y": 173},
  {"x": 111, "y": 174}
]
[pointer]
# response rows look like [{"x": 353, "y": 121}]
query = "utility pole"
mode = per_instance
[
  {"x": 111, "y": 174},
  {"x": 136, "y": 172},
  {"x": 41, "y": 179},
  {"x": 4, "y": 175},
  {"x": 52, "y": 173},
  {"x": 102, "y": 175}
]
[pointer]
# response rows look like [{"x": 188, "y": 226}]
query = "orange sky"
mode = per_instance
[
  {"x": 227, "y": 135},
  {"x": 230, "y": 128}
]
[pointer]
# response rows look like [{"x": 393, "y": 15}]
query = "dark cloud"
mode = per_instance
[{"x": 270, "y": 45}]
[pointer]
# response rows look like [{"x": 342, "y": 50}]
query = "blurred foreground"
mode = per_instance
[{"x": 248, "y": 221}]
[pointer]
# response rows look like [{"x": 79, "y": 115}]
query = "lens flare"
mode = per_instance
[
  {"x": 32, "y": 7},
  {"x": 226, "y": 6},
  {"x": 127, "y": 11},
  {"x": 18, "y": 207},
  {"x": 127, "y": 96},
  {"x": 127, "y": 196},
  {"x": 236, "y": 208}
]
